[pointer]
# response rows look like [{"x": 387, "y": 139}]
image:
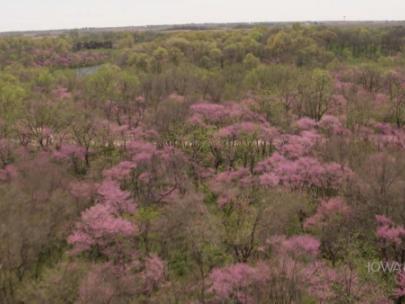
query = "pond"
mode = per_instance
[{"x": 86, "y": 71}]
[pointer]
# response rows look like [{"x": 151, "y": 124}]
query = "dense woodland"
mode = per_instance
[{"x": 239, "y": 166}]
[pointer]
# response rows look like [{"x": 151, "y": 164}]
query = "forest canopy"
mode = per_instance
[{"x": 200, "y": 165}]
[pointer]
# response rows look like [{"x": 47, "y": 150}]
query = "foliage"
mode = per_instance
[{"x": 254, "y": 165}]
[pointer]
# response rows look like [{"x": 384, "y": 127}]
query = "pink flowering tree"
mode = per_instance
[
  {"x": 298, "y": 273},
  {"x": 399, "y": 291},
  {"x": 294, "y": 146},
  {"x": 244, "y": 143},
  {"x": 232, "y": 133},
  {"x": 154, "y": 273},
  {"x": 302, "y": 173},
  {"x": 267, "y": 282},
  {"x": 102, "y": 228},
  {"x": 99, "y": 230},
  {"x": 153, "y": 174},
  {"x": 390, "y": 238},
  {"x": 238, "y": 282},
  {"x": 110, "y": 283},
  {"x": 331, "y": 222},
  {"x": 242, "y": 206},
  {"x": 386, "y": 135},
  {"x": 74, "y": 154}
]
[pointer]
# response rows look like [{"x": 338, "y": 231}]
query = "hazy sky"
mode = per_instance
[{"x": 55, "y": 14}]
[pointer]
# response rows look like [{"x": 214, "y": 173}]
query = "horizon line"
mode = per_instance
[{"x": 199, "y": 23}]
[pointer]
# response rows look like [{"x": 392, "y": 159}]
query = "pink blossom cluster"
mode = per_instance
[
  {"x": 320, "y": 280},
  {"x": 400, "y": 285},
  {"x": 107, "y": 280},
  {"x": 328, "y": 210},
  {"x": 332, "y": 125},
  {"x": 141, "y": 154},
  {"x": 153, "y": 170},
  {"x": 388, "y": 231},
  {"x": 233, "y": 282},
  {"x": 82, "y": 189},
  {"x": 302, "y": 172},
  {"x": 327, "y": 284},
  {"x": 306, "y": 123},
  {"x": 295, "y": 146},
  {"x": 387, "y": 135},
  {"x": 328, "y": 123},
  {"x": 284, "y": 273},
  {"x": 154, "y": 272},
  {"x": 101, "y": 224},
  {"x": 257, "y": 131},
  {"x": 116, "y": 199},
  {"x": 121, "y": 171},
  {"x": 297, "y": 245},
  {"x": 228, "y": 185},
  {"x": 211, "y": 113},
  {"x": 68, "y": 151},
  {"x": 99, "y": 227}
]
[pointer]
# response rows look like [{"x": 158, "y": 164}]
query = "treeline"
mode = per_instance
[
  {"x": 89, "y": 45},
  {"x": 298, "y": 44}
]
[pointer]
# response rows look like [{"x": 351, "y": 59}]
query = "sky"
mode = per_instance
[{"x": 53, "y": 14}]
